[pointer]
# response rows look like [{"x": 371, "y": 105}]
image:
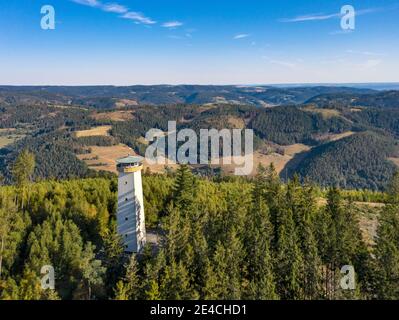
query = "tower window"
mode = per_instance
[
  {"x": 126, "y": 199},
  {"x": 125, "y": 182},
  {"x": 126, "y": 219}
]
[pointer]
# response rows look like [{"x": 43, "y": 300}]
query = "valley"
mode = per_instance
[{"x": 295, "y": 138}]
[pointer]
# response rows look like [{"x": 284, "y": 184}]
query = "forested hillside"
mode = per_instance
[
  {"x": 386, "y": 120},
  {"x": 289, "y": 125},
  {"x": 108, "y": 97},
  {"x": 384, "y": 99},
  {"x": 307, "y": 139},
  {"x": 359, "y": 161},
  {"x": 235, "y": 239}
]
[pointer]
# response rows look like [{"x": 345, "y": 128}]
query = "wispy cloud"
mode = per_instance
[
  {"x": 180, "y": 37},
  {"x": 114, "y": 7},
  {"x": 137, "y": 17},
  {"x": 323, "y": 16},
  {"x": 311, "y": 17},
  {"x": 366, "y": 53},
  {"x": 373, "y": 10},
  {"x": 172, "y": 24},
  {"x": 241, "y": 36},
  {"x": 90, "y": 3}
]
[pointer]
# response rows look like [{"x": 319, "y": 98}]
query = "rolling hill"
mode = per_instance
[
  {"x": 106, "y": 97},
  {"x": 70, "y": 129},
  {"x": 358, "y": 161}
]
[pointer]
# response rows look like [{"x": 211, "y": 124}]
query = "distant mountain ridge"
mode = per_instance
[
  {"x": 381, "y": 86},
  {"x": 381, "y": 99},
  {"x": 104, "y": 97}
]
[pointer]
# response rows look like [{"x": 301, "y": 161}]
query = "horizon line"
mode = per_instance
[{"x": 208, "y": 84}]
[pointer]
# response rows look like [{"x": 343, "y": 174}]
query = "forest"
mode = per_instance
[
  {"x": 363, "y": 162},
  {"x": 106, "y": 97},
  {"x": 271, "y": 236},
  {"x": 317, "y": 120},
  {"x": 219, "y": 238}
]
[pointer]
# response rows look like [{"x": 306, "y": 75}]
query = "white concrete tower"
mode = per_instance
[{"x": 131, "y": 220}]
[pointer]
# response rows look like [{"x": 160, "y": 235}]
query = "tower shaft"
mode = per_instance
[{"x": 130, "y": 214}]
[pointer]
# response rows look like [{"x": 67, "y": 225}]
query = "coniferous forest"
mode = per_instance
[
  {"x": 284, "y": 233},
  {"x": 221, "y": 238},
  {"x": 195, "y": 159}
]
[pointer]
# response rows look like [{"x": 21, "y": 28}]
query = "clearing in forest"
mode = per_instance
[
  {"x": 118, "y": 116},
  {"x": 104, "y": 158},
  {"x": 97, "y": 131},
  {"x": 279, "y": 160}
]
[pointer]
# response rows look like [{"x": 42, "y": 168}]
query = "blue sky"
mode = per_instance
[{"x": 125, "y": 42}]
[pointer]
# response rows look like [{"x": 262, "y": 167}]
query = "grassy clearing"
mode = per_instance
[
  {"x": 104, "y": 158},
  {"x": 9, "y": 136},
  {"x": 325, "y": 113},
  {"x": 97, "y": 131},
  {"x": 118, "y": 116}
]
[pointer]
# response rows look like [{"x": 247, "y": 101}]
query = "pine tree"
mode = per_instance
[
  {"x": 289, "y": 260},
  {"x": 29, "y": 287},
  {"x": 129, "y": 287},
  {"x": 182, "y": 193},
  {"x": 386, "y": 250},
  {"x": 121, "y": 291},
  {"x": 9, "y": 289},
  {"x": 5, "y": 227},
  {"x": 22, "y": 173},
  {"x": 153, "y": 270},
  {"x": 112, "y": 256},
  {"x": 58, "y": 243},
  {"x": 271, "y": 188},
  {"x": 23, "y": 168},
  {"x": 196, "y": 254},
  {"x": 175, "y": 283},
  {"x": 345, "y": 246},
  {"x": 153, "y": 291},
  {"x": 393, "y": 188},
  {"x": 235, "y": 261},
  {"x": 211, "y": 289},
  {"x": 177, "y": 230},
  {"x": 13, "y": 228},
  {"x": 303, "y": 205},
  {"x": 217, "y": 277},
  {"x": 91, "y": 269},
  {"x": 258, "y": 259}
]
